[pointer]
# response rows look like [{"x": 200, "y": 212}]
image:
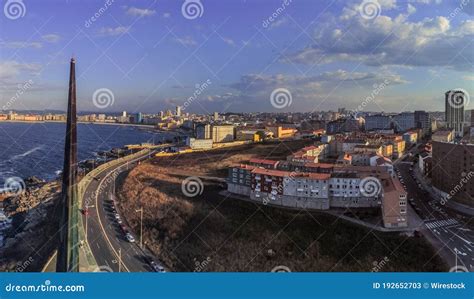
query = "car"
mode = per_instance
[
  {"x": 130, "y": 238},
  {"x": 156, "y": 267},
  {"x": 119, "y": 221},
  {"x": 85, "y": 211},
  {"x": 117, "y": 216}
]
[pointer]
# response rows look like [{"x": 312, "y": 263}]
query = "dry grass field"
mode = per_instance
[{"x": 213, "y": 233}]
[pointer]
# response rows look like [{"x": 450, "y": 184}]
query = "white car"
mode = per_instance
[{"x": 130, "y": 238}]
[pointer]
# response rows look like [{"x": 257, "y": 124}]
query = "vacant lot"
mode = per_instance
[{"x": 213, "y": 233}]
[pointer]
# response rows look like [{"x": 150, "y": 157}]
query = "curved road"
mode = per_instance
[{"x": 105, "y": 236}]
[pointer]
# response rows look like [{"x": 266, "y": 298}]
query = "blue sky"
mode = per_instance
[{"x": 328, "y": 54}]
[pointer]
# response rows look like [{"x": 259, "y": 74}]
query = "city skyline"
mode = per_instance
[{"x": 152, "y": 55}]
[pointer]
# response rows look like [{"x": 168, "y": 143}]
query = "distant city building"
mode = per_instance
[
  {"x": 404, "y": 121},
  {"x": 423, "y": 122},
  {"x": 377, "y": 122},
  {"x": 454, "y": 109},
  {"x": 178, "y": 111},
  {"x": 216, "y": 116},
  {"x": 203, "y": 131},
  {"x": 223, "y": 133},
  {"x": 445, "y": 135}
]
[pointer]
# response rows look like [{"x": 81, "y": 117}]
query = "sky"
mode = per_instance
[{"x": 236, "y": 55}]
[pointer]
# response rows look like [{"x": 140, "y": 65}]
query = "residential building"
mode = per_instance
[
  {"x": 223, "y": 133},
  {"x": 453, "y": 171}
]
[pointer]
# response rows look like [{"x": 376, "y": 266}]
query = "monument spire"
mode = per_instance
[{"x": 68, "y": 251}]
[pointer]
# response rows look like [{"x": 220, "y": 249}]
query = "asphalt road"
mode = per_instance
[
  {"x": 105, "y": 236},
  {"x": 453, "y": 230}
]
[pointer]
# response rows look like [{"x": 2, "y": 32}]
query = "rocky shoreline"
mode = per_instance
[{"x": 31, "y": 238}]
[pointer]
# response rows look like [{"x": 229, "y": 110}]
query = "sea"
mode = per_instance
[{"x": 37, "y": 149}]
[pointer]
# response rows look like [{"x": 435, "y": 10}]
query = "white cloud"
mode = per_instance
[
  {"x": 228, "y": 41},
  {"x": 390, "y": 41},
  {"x": 186, "y": 41},
  {"x": 140, "y": 12},
  {"x": 411, "y": 9},
  {"x": 51, "y": 38},
  {"x": 166, "y": 15},
  {"x": 109, "y": 31},
  {"x": 11, "y": 69},
  {"x": 20, "y": 45}
]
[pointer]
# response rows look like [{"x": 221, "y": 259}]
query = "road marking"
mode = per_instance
[{"x": 100, "y": 221}]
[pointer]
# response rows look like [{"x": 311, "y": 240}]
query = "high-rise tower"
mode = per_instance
[
  {"x": 455, "y": 100},
  {"x": 68, "y": 251}
]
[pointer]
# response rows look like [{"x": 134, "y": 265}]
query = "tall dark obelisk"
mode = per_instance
[{"x": 68, "y": 251}]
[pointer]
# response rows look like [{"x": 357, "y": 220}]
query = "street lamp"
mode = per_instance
[{"x": 141, "y": 226}]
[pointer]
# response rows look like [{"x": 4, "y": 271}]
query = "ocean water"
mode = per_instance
[{"x": 37, "y": 149}]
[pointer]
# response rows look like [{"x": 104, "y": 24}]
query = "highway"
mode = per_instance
[
  {"x": 104, "y": 234},
  {"x": 454, "y": 231}
]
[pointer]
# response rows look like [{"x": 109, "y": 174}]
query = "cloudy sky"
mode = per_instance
[{"x": 153, "y": 55}]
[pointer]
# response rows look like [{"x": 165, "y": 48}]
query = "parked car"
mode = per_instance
[{"x": 130, "y": 238}]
